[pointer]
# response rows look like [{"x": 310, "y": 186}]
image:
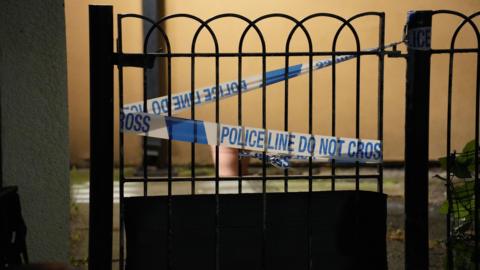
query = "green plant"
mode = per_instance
[{"x": 460, "y": 204}]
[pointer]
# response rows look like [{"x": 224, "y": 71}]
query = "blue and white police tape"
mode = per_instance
[
  {"x": 280, "y": 162},
  {"x": 204, "y": 95},
  {"x": 249, "y": 138}
]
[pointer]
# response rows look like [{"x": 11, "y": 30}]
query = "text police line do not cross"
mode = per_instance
[{"x": 249, "y": 138}]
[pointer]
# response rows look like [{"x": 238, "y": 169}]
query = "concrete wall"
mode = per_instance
[
  {"x": 180, "y": 33},
  {"x": 33, "y": 85}
]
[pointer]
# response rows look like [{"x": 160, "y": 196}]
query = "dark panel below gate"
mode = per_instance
[{"x": 348, "y": 230}]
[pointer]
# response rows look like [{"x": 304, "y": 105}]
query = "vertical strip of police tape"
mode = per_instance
[
  {"x": 101, "y": 138},
  {"x": 416, "y": 140}
]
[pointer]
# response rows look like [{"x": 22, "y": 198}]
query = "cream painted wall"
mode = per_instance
[{"x": 180, "y": 32}]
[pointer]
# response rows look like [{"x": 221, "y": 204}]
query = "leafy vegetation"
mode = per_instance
[{"x": 460, "y": 204}]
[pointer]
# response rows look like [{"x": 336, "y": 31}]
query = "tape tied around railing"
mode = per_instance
[
  {"x": 281, "y": 162},
  {"x": 323, "y": 148}
]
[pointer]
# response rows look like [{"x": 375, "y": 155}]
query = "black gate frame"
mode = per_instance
[
  {"x": 417, "y": 138},
  {"x": 103, "y": 58}
]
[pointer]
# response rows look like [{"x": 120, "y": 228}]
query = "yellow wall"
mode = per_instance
[
  {"x": 76, "y": 12},
  {"x": 180, "y": 32}
]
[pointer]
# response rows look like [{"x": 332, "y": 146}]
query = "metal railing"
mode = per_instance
[
  {"x": 170, "y": 55},
  {"x": 418, "y": 74}
]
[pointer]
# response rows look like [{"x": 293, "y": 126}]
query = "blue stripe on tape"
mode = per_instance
[
  {"x": 278, "y": 75},
  {"x": 186, "y": 130}
]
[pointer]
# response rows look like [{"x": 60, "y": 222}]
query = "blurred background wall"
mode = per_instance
[{"x": 228, "y": 31}]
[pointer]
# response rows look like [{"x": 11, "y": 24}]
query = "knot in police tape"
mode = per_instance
[
  {"x": 278, "y": 147},
  {"x": 281, "y": 162}
]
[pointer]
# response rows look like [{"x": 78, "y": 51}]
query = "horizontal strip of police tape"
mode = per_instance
[
  {"x": 183, "y": 101},
  {"x": 322, "y": 148}
]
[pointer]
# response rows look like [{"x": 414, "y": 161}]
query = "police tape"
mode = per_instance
[
  {"x": 319, "y": 147},
  {"x": 205, "y": 95},
  {"x": 281, "y": 162}
]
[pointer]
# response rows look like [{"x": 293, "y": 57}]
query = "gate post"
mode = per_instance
[
  {"x": 416, "y": 140},
  {"x": 101, "y": 138}
]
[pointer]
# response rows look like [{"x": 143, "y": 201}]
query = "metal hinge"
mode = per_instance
[{"x": 133, "y": 60}]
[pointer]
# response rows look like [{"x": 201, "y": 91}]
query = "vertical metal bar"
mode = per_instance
[
  {"x": 449, "y": 149},
  {"x": 101, "y": 137},
  {"x": 381, "y": 62},
  {"x": 310, "y": 116},
  {"x": 264, "y": 161},
  {"x": 285, "y": 117},
  {"x": 416, "y": 140},
  {"x": 145, "y": 138},
  {"x": 217, "y": 162},
  {"x": 477, "y": 181},
  {"x": 334, "y": 86},
  {"x": 310, "y": 165},
  {"x": 169, "y": 171},
  {"x": 121, "y": 147},
  {"x": 192, "y": 115},
  {"x": 240, "y": 167},
  {"x": 357, "y": 118},
  {"x": 146, "y": 93}
]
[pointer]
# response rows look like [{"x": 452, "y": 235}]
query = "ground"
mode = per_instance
[{"x": 393, "y": 187}]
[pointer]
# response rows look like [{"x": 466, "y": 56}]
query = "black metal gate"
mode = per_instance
[
  {"x": 285, "y": 230},
  {"x": 462, "y": 166},
  {"x": 462, "y": 239},
  {"x": 470, "y": 223}
]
